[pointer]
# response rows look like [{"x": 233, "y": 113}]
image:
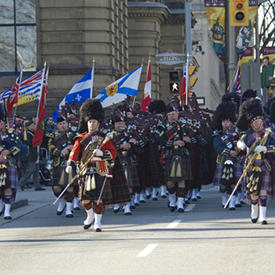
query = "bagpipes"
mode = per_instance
[{"x": 84, "y": 168}]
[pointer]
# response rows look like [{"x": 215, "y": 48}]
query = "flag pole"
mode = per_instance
[
  {"x": 233, "y": 76},
  {"x": 134, "y": 100},
  {"x": 37, "y": 113},
  {"x": 92, "y": 84},
  {"x": 15, "y": 109}
]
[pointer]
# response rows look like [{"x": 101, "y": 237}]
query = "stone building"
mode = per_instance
[{"x": 120, "y": 35}]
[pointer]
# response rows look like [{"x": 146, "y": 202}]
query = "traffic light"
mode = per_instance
[
  {"x": 174, "y": 82},
  {"x": 239, "y": 10},
  {"x": 192, "y": 80}
]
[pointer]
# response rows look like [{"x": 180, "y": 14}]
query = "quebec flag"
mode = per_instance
[
  {"x": 80, "y": 92},
  {"x": 120, "y": 89}
]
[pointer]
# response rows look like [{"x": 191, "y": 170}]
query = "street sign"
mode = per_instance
[{"x": 170, "y": 58}]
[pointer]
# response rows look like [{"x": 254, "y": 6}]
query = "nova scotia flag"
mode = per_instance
[
  {"x": 80, "y": 92},
  {"x": 120, "y": 89}
]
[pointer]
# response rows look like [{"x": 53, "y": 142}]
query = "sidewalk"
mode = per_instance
[{"x": 28, "y": 201}]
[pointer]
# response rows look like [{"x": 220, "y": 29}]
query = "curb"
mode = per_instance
[{"x": 20, "y": 203}]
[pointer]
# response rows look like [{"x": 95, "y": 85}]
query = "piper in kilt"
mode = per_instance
[
  {"x": 177, "y": 160},
  {"x": 125, "y": 169},
  {"x": 60, "y": 145},
  {"x": 98, "y": 153},
  {"x": 257, "y": 141},
  {"x": 11, "y": 148},
  {"x": 229, "y": 159},
  {"x": 157, "y": 109}
]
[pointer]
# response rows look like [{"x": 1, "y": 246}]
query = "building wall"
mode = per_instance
[{"x": 120, "y": 35}]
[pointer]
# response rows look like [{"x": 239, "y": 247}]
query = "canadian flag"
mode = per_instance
[
  {"x": 146, "y": 98},
  {"x": 182, "y": 91}
]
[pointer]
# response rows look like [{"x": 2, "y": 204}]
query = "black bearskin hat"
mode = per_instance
[
  {"x": 60, "y": 119},
  {"x": 90, "y": 109},
  {"x": 157, "y": 107},
  {"x": 232, "y": 97},
  {"x": 272, "y": 111},
  {"x": 249, "y": 111},
  {"x": 226, "y": 110},
  {"x": 117, "y": 118},
  {"x": 249, "y": 94}
]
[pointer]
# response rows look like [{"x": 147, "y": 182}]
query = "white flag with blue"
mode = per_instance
[
  {"x": 80, "y": 92},
  {"x": 120, "y": 89}
]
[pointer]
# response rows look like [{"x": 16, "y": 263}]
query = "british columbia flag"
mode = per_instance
[{"x": 29, "y": 89}]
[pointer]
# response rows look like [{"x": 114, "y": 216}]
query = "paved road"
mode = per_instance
[{"x": 204, "y": 240}]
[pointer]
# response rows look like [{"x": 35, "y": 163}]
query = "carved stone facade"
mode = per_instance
[{"x": 120, "y": 35}]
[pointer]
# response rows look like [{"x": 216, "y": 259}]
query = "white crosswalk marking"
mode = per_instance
[{"x": 147, "y": 250}]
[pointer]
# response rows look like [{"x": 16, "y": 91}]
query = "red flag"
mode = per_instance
[
  {"x": 182, "y": 91},
  {"x": 13, "y": 95},
  {"x": 39, "y": 131},
  {"x": 146, "y": 98}
]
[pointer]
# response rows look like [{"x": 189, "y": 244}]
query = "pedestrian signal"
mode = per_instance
[{"x": 174, "y": 82}]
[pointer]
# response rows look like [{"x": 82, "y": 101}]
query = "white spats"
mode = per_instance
[
  {"x": 155, "y": 193},
  {"x": 142, "y": 197},
  {"x": 194, "y": 195},
  {"x": 61, "y": 206},
  {"x": 136, "y": 199},
  {"x": 180, "y": 204},
  {"x": 254, "y": 212},
  {"x": 76, "y": 204},
  {"x": 224, "y": 199},
  {"x": 127, "y": 209},
  {"x": 262, "y": 214},
  {"x": 97, "y": 224},
  {"x": 163, "y": 191},
  {"x": 148, "y": 192},
  {"x": 7, "y": 214},
  {"x": 69, "y": 208},
  {"x": 172, "y": 200},
  {"x": 232, "y": 203},
  {"x": 90, "y": 217}
]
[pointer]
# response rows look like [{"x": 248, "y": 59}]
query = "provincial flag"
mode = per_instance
[
  {"x": 147, "y": 94},
  {"x": 39, "y": 131},
  {"x": 80, "y": 92},
  {"x": 120, "y": 89}
]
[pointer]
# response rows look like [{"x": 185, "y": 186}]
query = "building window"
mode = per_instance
[{"x": 17, "y": 36}]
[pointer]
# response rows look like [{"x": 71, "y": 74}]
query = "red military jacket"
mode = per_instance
[{"x": 88, "y": 142}]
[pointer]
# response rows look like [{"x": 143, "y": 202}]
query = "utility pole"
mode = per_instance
[
  {"x": 188, "y": 43},
  {"x": 231, "y": 52}
]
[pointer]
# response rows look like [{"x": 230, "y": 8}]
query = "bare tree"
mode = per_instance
[{"x": 267, "y": 23}]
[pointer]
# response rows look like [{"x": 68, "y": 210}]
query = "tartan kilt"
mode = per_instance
[
  {"x": 195, "y": 157},
  {"x": 119, "y": 186},
  {"x": 142, "y": 171},
  {"x": 153, "y": 166},
  {"x": 266, "y": 183},
  {"x": 238, "y": 170},
  {"x": 218, "y": 174},
  {"x": 13, "y": 178},
  {"x": 186, "y": 170},
  {"x": 60, "y": 177},
  {"x": 93, "y": 195}
]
